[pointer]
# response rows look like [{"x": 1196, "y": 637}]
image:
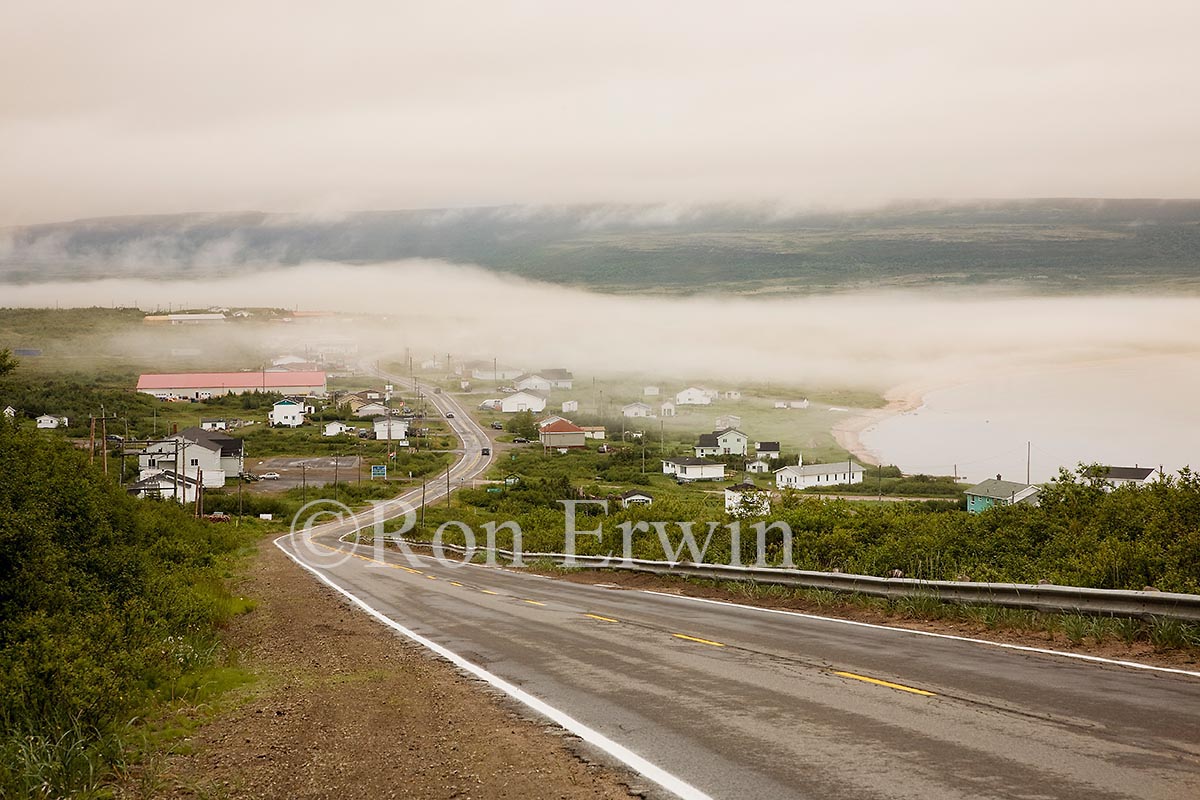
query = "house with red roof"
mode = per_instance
[
  {"x": 207, "y": 385},
  {"x": 562, "y": 434}
]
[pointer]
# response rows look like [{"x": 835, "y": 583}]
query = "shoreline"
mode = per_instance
[{"x": 900, "y": 399}]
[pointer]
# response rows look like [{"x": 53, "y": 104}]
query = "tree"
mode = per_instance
[
  {"x": 522, "y": 424},
  {"x": 7, "y": 362}
]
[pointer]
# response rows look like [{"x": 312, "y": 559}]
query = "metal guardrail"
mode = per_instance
[{"x": 1039, "y": 597}]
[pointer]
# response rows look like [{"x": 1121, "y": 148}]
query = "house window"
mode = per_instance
[
  {"x": 151, "y": 463},
  {"x": 195, "y": 462}
]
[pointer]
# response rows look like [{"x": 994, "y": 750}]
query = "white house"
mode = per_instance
[
  {"x": 747, "y": 500},
  {"x": 798, "y": 403},
  {"x": 523, "y": 401},
  {"x": 767, "y": 450},
  {"x": 51, "y": 421},
  {"x": 558, "y": 378},
  {"x": 165, "y": 484},
  {"x": 732, "y": 394},
  {"x": 667, "y": 409},
  {"x": 1123, "y": 476},
  {"x": 638, "y": 409},
  {"x": 371, "y": 410},
  {"x": 533, "y": 381},
  {"x": 758, "y": 466},
  {"x": 195, "y": 460},
  {"x": 500, "y": 373},
  {"x": 802, "y": 477},
  {"x": 594, "y": 431},
  {"x": 727, "y": 442},
  {"x": 728, "y": 421},
  {"x": 10, "y": 412},
  {"x": 636, "y": 497},
  {"x": 339, "y": 428},
  {"x": 686, "y": 469},
  {"x": 399, "y": 430},
  {"x": 231, "y": 448},
  {"x": 214, "y": 424},
  {"x": 570, "y": 406},
  {"x": 287, "y": 414},
  {"x": 650, "y": 391},
  {"x": 693, "y": 396}
]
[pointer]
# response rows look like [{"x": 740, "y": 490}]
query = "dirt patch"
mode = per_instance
[
  {"x": 345, "y": 708},
  {"x": 1141, "y": 651}
]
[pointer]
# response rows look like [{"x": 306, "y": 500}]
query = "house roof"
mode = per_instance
[
  {"x": 688, "y": 461},
  {"x": 746, "y": 487},
  {"x": 228, "y": 380},
  {"x": 557, "y": 374},
  {"x": 530, "y": 393},
  {"x": 635, "y": 404},
  {"x": 997, "y": 489},
  {"x": 809, "y": 470},
  {"x": 159, "y": 478},
  {"x": 772, "y": 446},
  {"x": 230, "y": 446},
  {"x": 707, "y": 440},
  {"x": 592, "y": 428},
  {"x": 287, "y": 402},
  {"x": 562, "y": 426},
  {"x": 635, "y": 493},
  {"x": 188, "y": 436},
  {"x": 1121, "y": 473},
  {"x": 724, "y": 431}
]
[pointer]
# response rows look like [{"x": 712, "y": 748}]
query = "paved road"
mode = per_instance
[{"x": 739, "y": 702}]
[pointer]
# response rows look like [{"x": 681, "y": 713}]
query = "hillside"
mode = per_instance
[{"x": 1046, "y": 245}]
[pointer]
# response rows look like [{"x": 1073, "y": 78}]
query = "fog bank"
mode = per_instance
[{"x": 865, "y": 339}]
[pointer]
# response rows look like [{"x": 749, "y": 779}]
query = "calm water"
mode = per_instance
[{"x": 1144, "y": 412}]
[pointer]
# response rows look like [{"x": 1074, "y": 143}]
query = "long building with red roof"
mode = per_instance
[{"x": 205, "y": 385}]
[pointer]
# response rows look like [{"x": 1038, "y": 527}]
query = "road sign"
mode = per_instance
[{"x": 379, "y": 470}]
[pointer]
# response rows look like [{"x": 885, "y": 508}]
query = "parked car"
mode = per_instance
[
  {"x": 270, "y": 476},
  {"x": 248, "y": 477},
  {"x": 487, "y": 451},
  {"x": 449, "y": 415},
  {"x": 113, "y": 437},
  {"x": 217, "y": 516},
  {"x": 520, "y": 440},
  {"x": 497, "y": 426}
]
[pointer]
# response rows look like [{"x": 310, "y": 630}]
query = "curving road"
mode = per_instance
[{"x": 709, "y": 699}]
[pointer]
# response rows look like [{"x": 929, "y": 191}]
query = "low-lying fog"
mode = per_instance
[{"x": 865, "y": 339}]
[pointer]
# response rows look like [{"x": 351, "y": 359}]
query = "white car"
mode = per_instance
[{"x": 270, "y": 476}]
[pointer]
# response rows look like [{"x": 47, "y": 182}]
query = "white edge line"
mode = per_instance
[
  {"x": 593, "y": 737},
  {"x": 918, "y": 632}
]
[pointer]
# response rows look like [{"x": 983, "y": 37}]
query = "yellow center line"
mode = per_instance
[
  {"x": 456, "y": 583},
  {"x": 889, "y": 684},
  {"x": 533, "y": 602},
  {"x": 602, "y": 619},
  {"x": 695, "y": 639},
  {"x": 487, "y": 591},
  {"x": 431, "y": 577}
]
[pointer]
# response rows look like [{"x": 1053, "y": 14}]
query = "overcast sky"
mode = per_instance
[{"x": 150, "y": 107}]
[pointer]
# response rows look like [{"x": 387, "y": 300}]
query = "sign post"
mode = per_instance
[{"x": 379, "y": 471}]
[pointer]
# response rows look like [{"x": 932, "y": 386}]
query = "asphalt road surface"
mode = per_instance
[{"x": 720, "y": 700}]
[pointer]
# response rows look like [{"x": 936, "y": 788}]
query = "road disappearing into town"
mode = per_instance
[{"x": 712, "y": 699}]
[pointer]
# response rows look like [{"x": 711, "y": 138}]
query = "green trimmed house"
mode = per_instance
[{"x": 997, "y": 492}]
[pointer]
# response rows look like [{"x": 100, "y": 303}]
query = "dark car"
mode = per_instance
[
  {"x": 112, "y": 437},
  {"x": 487, "y": 451},
  {"x": 520, "y": 440},
  {"x": 497, "y": 426},
  {"x": 449, "y": 415}
]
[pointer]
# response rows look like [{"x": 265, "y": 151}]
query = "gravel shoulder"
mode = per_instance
[{"x": 344, "y": 708}]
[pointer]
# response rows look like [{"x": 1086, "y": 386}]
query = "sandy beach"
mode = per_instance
[{"x": 900, "y": 399}]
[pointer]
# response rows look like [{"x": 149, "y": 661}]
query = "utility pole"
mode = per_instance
[
  {"x": 1028, "y": 459},
  {"x": 304, "y": 481},
  {"x": 447, "y": 487},
  {"x": 422, "y": 506},
  {"x": 335, "y": 477}
]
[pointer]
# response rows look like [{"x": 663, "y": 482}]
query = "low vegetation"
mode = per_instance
[{"x": 109, "y": 606}]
